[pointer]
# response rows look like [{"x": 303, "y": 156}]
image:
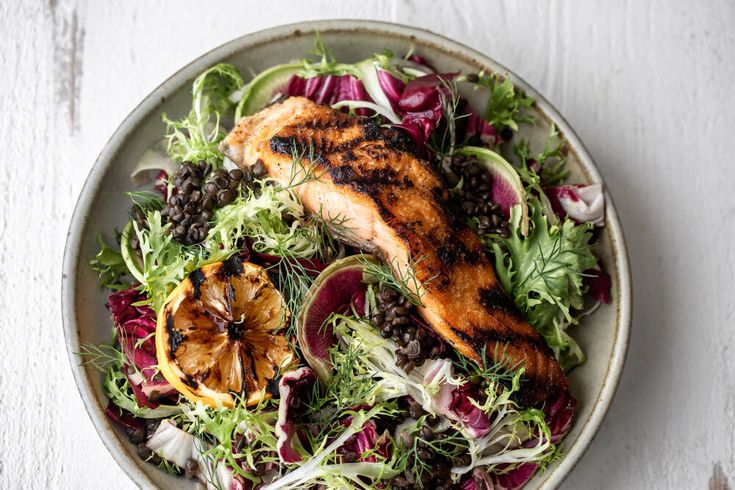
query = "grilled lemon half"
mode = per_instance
[{"x": 220, "y": 334}]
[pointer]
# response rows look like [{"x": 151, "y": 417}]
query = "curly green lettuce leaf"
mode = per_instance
[
  {"x": 110, "y": 266},
  {"x": 551, "y": 162},
  {"x": 197, "y": 136},
  {"x": 543, "y": 273},
  {"x": 505, "y": 105},
  {"x": 118, "y": 390},
  {"x": 165, "y": 262}
]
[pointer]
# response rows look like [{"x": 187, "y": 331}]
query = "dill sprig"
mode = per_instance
[
  {"x": 101, "y": 357},
  {"x": 304, "y": 173},
  {"x": 401, "y": 279},
  {"x": 147, "y": 201},
  {"x": 293, "y": 281},
  {"x": 498, "y": 368},
  {"x": 345, "y": 389},
  {"x": 328, "y": 230},
  {"x": 443, "y": 142}
]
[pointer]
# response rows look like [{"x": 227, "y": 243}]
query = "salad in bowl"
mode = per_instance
[{"x": 350, "y": 275}]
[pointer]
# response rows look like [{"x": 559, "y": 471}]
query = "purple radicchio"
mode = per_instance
[
  {"x": 477, "y": 480},
  {"x": 479, "y": 129},
  {"x": 598, "y": 283},
  {"x": 581, "y": 203},
  {"x": 328, "y": 89},
  {"x": 454, "y": 402},
  {"x": 392, "y": 87},
  {"x": 559, "y": 413},
  {"x": 291, "y": 387},
  {"x": 513, "y": 479},
  {"x": 502, "y": 478},
  {"x": 420, "y": 104},
  {"x": 365, "y": 441},
  {"x": 136, "y": 327}
]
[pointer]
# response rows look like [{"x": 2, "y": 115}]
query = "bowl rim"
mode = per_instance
[{"x": 92, "y": 183}]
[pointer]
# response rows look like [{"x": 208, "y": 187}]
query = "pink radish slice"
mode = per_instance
[
  {"x": 507, "y": 189},
  {"x": 338, "y": 288}
]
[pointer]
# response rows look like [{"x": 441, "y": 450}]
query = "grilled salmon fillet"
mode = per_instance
[{"x": 397, "y": 207}]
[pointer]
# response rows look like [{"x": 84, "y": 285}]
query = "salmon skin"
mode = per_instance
[{"x": 396, "y": 206}]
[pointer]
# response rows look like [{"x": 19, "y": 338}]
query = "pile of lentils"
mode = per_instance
[
  {"x": 433, "y": 470},
  {"x": 474, "y": 195},
  {"x": 197, "y": 192},
  {"x": 394, "y": 319},
  {"x": 140, "y": 436}
]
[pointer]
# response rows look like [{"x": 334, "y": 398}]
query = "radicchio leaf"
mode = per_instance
[
  {"x": 479, "y": 129},
  {"x": 122, "y": 417},
  {"x": 392, "y": 87},
  {"x": 599, "y": 284},
  {"x": 513, "y": 479},
  {"x": 365, "y": 441},
  {"x": 581, "y": 203},
  {"x": 136, "y": 327},
  {"x": 559, "y": 414},
  {"x": 454, "y": 401},
  {"x": 328, "y": 90},
  {"x": 477, "y": 480},
  {"x": 292, "y": 386}
]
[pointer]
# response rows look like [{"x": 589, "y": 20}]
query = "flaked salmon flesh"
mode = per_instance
[{"x": 393, "y": 203}]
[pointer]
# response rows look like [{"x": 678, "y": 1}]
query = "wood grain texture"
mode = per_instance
[{"x": 647, "y": 85}]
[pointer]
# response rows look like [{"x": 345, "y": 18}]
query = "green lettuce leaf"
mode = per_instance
[
  {"x": 543, "y": 273},
  {"x": 197, "y": 136},
  {"x": 110, "y": 266},
  {"x": 504, "y": 106}
]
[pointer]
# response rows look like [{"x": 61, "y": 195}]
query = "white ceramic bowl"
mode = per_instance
[{"x": 103, "y": 204}]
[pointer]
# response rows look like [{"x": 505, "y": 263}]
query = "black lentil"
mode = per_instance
[
  {"x": 198, "y": 191},
  {"x": 395, "y": 319},
  {"x": 136, "y": 435},
  {"x": 474, "y": 195}
]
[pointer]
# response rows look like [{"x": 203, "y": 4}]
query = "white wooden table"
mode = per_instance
[{"x": 647, "y": 85}]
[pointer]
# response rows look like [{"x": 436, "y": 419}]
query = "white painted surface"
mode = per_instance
[{"x": 647, "y": 85}]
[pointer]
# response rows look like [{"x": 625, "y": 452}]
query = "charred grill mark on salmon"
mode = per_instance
[{"x": 398, "y": 208}]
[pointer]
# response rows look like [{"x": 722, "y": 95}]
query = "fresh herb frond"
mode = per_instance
[
  {"x": 101, "y": 357},
  {"x": 401, "y": 279},
  {"x": 442, "y": 141},
  {"x": 328, "y": 229},
  {"x": 147, "y": 201},
  {"x": 500, "y": 367},
  {"x": 293, "y": 281},
  {"x": 302, "y": 173},
  {"x": 451, "y": 447}
]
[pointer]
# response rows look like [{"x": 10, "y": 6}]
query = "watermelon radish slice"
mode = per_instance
[
  {"x": 261, "y": 89},
  {"x": 507, "y": 189},
  {"x": 338, "y": 288}
]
